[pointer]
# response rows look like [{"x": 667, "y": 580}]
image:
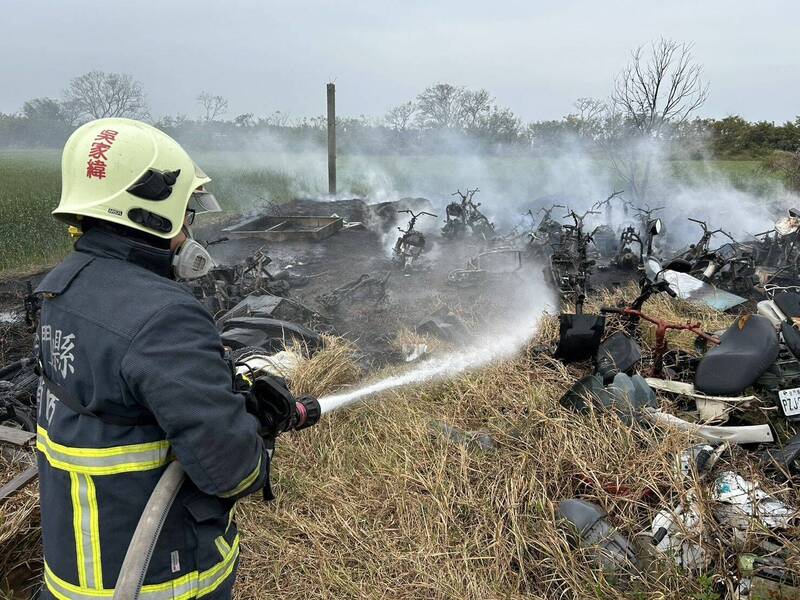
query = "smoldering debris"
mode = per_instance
[
  {"x": 623, "y": 335},
  {"x": 411, "y": 243},
  {"x": 366, "y": 287}
]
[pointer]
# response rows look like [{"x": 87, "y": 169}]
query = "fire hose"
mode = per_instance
[{"x": 277, "y": 412}]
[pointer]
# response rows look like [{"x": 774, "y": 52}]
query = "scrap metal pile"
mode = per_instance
[
  {"x": 736, "y": 387},
  {"x": 739, "y": 387}
]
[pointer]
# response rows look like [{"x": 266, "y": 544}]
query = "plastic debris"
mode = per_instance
[
  {"x": 609, "y": 548},
  {"x": 740, "y": 501},
  {"x": 674, "y": 532},
  {"x": 765, "y": 578},
  {"x": 677, "y": 531}
]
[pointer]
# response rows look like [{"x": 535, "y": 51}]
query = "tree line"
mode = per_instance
[{"x": 654, "y": 97}]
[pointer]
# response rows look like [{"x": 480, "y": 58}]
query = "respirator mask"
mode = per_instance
[{"x": 191, "y": 259}]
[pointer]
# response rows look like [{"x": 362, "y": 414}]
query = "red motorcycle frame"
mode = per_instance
[{"x": 662, "y": 327}]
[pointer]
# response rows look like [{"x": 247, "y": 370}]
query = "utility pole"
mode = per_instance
[{"x": 332, "y": 139}]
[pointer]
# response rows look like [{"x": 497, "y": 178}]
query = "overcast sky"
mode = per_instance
[{"x": 534, "y": 57}]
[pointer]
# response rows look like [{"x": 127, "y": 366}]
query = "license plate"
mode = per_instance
[{"x": 790, "y": 400}]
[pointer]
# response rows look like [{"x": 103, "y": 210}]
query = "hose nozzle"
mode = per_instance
[
  {"x": 277, "y": 410},
  {"x": 308, "y": 412}
]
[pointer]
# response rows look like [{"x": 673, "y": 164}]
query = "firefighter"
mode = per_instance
[{"x": 134, "y": 376}]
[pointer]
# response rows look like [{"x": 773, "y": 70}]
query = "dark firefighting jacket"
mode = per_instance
[{"x": 143, "y": 360}]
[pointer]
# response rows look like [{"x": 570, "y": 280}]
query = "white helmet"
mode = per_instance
[{"x": 130, "y": 173}]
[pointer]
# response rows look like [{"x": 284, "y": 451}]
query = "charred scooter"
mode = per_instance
[
  {"x": 579, "y": 334},
  {"x": 411, "y": 243},
  {"x": 748, "y": 362},
  {"x": 455, "y": 225},
  {"x": 730, "y": 267},
  {"x": 635, "y": 244},
  {"x": 18, "y": 384},
  {"x": 546, "y": 234},
  {"x": 465, "y": 214}
]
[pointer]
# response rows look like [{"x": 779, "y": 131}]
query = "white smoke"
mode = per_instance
[{"x": 497, "y": 342}]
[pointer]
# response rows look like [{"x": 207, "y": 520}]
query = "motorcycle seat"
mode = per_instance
[
  {"x": 746, "y": 351},
  {"x": 788, "y": 303},
  {"x": 791, "y": 337}
]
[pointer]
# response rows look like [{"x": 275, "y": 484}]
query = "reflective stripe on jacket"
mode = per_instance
[{"x": 126, "y": 341}]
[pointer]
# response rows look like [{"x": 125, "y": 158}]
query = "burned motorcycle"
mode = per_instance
[
  {"x": 632, "y": 249},
  {"x": 411, "y": 243},
  {"x": 226, "y": 286},
  {"x": 570, "y": 267},
  {"x": 629, "y": 249},
  {"x": 465, "y": 214},
  {"x": 547, "y": 233},
  {"x": 456, "y": 223},
  {"x": 487, "y": 266},
  {"x": 697, "y": 251},
  {"x": 777, "y": 252},
  {"x": 730, "y": 267},
  {"x": 646, "y": 223},
  {"x": 366, "y": 287}
]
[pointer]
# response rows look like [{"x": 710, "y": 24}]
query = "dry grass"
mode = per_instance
[
  {"x": 20, "y": 536},
  {"x": 375, "y": 503}
]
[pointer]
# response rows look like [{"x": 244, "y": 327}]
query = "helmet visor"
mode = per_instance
[{"x": 202, "y": 201}]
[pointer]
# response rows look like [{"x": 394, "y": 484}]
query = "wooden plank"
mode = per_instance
[
  {"x": 18, "y": 437},
  {"x": 19, "y": 482}
]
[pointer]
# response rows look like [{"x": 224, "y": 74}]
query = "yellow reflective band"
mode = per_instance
[
  {"x": 222, "y": 546},
  {"x": 231, "y": 513},
  {"x": 94, "y": 533},
  {"x": 103, "y": 461},
  {"x": 102, "y": 452},
  {"x": 192, "y": 585},
  {"x": 86, "y": 527},
  {"x": 245, "y": 483},
  {"x": 77, "y": 518}
]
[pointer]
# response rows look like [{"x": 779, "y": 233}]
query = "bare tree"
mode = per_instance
[
  {"x": 474, "y": 107},
  {"x": 96, "y": 95},
  {"x": 660, "y": 87},
  {"x": 400, "y": 117},
  {"x": 279, "y": 119},
  {"x": 213, "y": 106},
  {"x": 588, "y": 120},
  {"x": 439, "y": 106},
  {"x": 590, "y": 109},
  {"x": 657, "y": 92}
]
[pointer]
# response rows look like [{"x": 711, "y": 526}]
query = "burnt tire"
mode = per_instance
[{"x": 19, "y": 418}]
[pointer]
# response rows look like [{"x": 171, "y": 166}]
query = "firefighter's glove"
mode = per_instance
[{"x": 273, "y": 405}]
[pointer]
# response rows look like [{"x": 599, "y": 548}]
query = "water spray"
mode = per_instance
[{"x": 499, "y": 347}]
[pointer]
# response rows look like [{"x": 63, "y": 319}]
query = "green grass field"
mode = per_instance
[{"x": 30, "y": 186}]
